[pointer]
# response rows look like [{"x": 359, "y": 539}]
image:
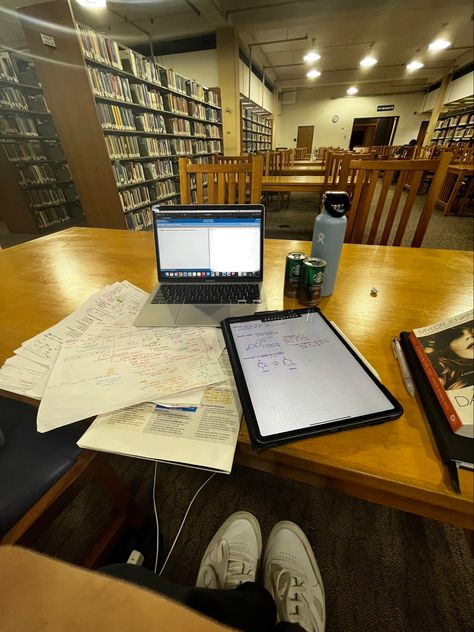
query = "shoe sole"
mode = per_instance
[
  {"x": 299, "y": 533},
  {"x": 238, "y": 515}
]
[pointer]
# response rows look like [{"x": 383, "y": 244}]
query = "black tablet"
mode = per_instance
[{"x": 297, "y": 377}]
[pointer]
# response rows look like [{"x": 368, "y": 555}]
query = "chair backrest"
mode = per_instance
[
  {"x": 231, "y": 160},
  {"x": 332, "y": 168},
  {"x": 377, "y": 199},
  {"x": 301, "y": 153},
  {"x": 273, "y": 163},
  {"x": 223, "y": 183}
]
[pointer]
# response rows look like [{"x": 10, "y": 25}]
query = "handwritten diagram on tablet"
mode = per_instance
[{"x": 299, "y": 374}]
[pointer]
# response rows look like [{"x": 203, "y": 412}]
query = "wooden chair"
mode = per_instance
[
  {"x": 231, "y": 160},
  {"x": 237, "y": 183},
  {"x": 301, "y": 153},
  {"x": 41, "y": 473},
  {"x": 372, "y": 196},
  {"x": 332, "y": 168}
]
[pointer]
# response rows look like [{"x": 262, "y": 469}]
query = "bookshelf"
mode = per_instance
[
  {"x": 35, "y": 183},
  {"x": 123, "y": 119},
  {"x": 256, "y": 127},
  {"x": 454, "y": 128}
]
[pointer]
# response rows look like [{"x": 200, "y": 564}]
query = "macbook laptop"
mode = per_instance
[{"x": 210, "y": 264}]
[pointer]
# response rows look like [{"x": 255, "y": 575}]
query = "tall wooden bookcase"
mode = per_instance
[
  {"x": 123, "y": 120},
  {"x": 456, "y": 127},
  {"x": 256, "y": 128},
  {"x": 36, "y": 188}
]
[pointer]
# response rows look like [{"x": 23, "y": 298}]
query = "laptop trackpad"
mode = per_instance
[{"x": 202, "y": 315}]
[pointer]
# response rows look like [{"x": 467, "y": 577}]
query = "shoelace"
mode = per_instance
[
  {"x": 233, "y": 569},
  {"x": 295, "y": 608}
]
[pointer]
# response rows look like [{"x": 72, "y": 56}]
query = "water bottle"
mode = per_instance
[{"x": 328, "y": 235}]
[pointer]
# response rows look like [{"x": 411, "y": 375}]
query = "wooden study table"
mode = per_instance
[
  {"x": 302, "y": 170},
  {"x": 291, "y": 183},
  {"x": 394, "y": 464}
]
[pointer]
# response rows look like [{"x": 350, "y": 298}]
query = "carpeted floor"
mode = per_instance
[{"x": 383, "y": 570}]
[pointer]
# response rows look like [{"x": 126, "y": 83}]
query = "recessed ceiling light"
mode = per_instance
[
  {"x": 92, "y": 4},
  {"x": 415, "y": 65},
  {"x": 439, "y": 44},
  {"x": 352, "y": 90},
  {"x": 368, "y": 61},
  {"x": 312, "y": 74},
  {"x": 312, "y": 56}
]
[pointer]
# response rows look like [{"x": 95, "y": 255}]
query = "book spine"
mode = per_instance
[{"x": 448, "y": 408}]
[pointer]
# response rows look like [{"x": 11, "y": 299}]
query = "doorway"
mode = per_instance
[
  {"x": 304, "y": 137},
  {"x": 373, "y": 131}
]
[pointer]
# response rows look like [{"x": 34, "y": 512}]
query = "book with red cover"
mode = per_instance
[
  {"x": 455, "y": 450},
  {"x": 445, "y": 351}
]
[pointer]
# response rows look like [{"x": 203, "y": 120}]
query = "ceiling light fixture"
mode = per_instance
[
  {"x": 92, "y": 4},
  {"x": 414, "y": 65},
  {"x": 313, "y": 73},
  {"x": 439, "y": 44},
  {"x": 312, "y": 55},
  {"x": 368, "y": 61},
  {"x": 352, "y": 90}
]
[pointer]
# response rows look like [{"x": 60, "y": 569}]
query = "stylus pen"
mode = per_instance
[{"x": 402, "y": 361}]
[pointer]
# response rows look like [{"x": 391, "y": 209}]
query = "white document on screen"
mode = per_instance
[{"x": 114, "y": 366}]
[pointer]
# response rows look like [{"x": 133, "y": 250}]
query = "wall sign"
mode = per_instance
[
  {"x": 48, "y": 40},
  {"x": 385, "y": 108}
]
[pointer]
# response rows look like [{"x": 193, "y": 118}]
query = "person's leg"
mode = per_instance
[
  {"x": 291, "y": 575},
  {"x": 225, "y": 588}
]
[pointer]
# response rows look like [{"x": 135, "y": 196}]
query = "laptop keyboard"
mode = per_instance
[{"x": 208, "y": 294}]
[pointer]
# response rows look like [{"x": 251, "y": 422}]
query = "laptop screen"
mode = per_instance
[{"x": 209, "y": 243}]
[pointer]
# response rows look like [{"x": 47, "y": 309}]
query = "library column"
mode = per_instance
[{"x": 229, "y": 83}]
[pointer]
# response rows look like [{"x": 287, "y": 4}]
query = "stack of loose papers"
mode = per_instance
[
  {"x": 160, "y": 393},
  {"x": 28, "y": 371},
  {"x": 203, "y": 436}
]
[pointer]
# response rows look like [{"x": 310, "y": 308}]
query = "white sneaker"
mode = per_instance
[
  {"x": 232, "y": 556},
  {"x": 291, "y": 575}
]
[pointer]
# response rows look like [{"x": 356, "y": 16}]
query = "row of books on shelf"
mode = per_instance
[
  {"x": 7, "y": 71},
  {"x": 136, "y": 172},
  {"x": 42, "y": 174},
  {"x": 18, "y": 151},
  {"x": 110, "y": 86},
  {"x": 99, "y": 48},
  {"x": 457, "y": 133},
  {"x": 459, "y": 119},
  {"x": 142, "y": 219},
  {"x": 115, "y": 117},
  {"x": 255, "y": 127},
  {"x": 251, "y": 145},
  {"x": 258, "y": 138},
  {"x": 13, "y": 98},
  {"x": 255, "y": 118},
  {"x": 138, "y": 196},
  {"x": 37, "y": 198},
  {"x": 120, "y": 147},
  {"x": 50, "y": 216},
  {"x": 17, "y": 126}
]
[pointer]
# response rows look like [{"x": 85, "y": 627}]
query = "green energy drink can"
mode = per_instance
[
  {"x": 293, "y": 268},
  {"x": 311, "y": 281}
]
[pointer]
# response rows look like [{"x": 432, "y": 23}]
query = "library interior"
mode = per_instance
[{"x": 335, "y": 141}]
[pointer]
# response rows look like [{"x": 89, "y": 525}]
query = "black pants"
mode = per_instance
[{"x": 249, "y": 607}]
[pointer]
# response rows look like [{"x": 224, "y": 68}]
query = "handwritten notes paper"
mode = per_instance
[
  {"x": 114, "y": 366},
  {"x": 202, "y": 436},
  {"x": 28, "y": 371}
]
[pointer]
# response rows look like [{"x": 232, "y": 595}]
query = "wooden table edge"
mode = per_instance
[{"x": 457, "y": 510}]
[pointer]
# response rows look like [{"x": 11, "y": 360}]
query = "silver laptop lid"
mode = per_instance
[{"x": 209, "y": 243}]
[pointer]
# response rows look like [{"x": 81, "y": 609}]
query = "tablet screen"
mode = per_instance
[{"x": 300, "y": 374}]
